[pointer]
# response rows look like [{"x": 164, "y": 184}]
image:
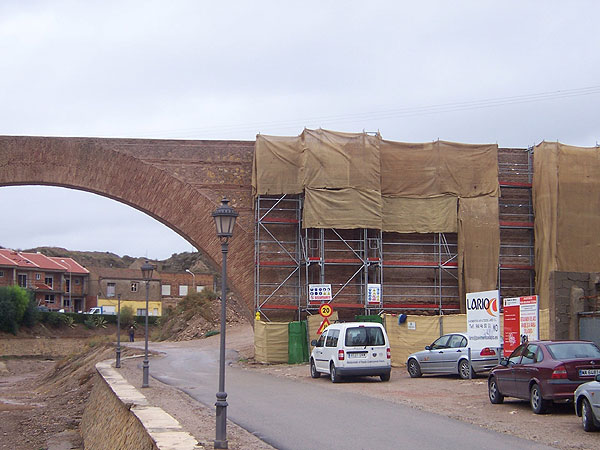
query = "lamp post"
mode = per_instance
[
  {"x": 224, "y": 217},
  {"x": 118, "y": 362},
  {"x": 70, "y": 284},
  {"x": 193, "y": 279},
  {"x": 147, "y": 269}
]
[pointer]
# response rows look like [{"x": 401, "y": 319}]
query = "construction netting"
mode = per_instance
[
  {"x": 356, "y": 180},
  {"x": 566, "y": 193},
  {"x": 271, "y": 341}
]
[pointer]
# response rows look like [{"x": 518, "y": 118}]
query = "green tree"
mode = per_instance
[
  {"x": 14, "y": 301},
  {"x": 31, "y": 316}
]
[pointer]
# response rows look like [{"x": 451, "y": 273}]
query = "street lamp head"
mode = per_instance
[
  {"x": 189, "y": 271},
  {"x": 147, "y": 270},
  {"x": 225, "y": 217}
]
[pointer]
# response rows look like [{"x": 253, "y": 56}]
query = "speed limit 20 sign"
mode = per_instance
[{"x": 325, "y": 310}]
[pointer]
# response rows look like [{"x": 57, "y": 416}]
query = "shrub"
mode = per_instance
[
  {"x": 31, "y": 316},
  {"x": 127, "y": 316},
  {"x": 54, "y": 319},
  {"x": 14, "y": 302}
]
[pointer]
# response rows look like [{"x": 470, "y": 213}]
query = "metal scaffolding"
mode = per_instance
[
  {"x": 516, "y": 269},
  {"x": 420, "y": 270}
]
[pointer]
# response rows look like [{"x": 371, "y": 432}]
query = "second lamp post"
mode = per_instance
[{"x": 147, "y": 270}]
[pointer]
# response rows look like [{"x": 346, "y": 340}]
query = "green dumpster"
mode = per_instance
[
  {"x": 297, "y": 344},
  {"x": 371, "y": 318}
]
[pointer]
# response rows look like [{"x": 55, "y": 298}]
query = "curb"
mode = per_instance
[{"x": 163, "y": 429}]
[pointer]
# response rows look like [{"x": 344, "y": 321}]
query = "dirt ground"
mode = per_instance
[{"x": 47, "y": 416}]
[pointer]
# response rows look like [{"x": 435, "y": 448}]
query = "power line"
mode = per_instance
[{"x": 403, "y": 112}]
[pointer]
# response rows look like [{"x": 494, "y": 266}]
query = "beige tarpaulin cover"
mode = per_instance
[
  {"x": 566, "y": 199},
  {"x": 478, "y": 244},
  {"x": 354, "y": 180},
  {"x": 271, "y": 341}
]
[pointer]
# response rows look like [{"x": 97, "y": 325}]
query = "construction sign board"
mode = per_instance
[
  {"x": 483, "y": 319},
  {"x": 373, "y": 294},
  {"x": 319, "y": 294},
  {"x": 324, "y": 325},
  {"x": 521, "y": 321}
]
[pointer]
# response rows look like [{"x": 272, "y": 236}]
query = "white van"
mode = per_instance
[{"x": 352, "y": 349}]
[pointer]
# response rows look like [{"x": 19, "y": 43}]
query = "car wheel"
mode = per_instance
[
  {"x": 313, "y": 369},
  {"x": 538, "y": 404},
  {"x": 335, "y": 377},
  {"x": 587, "y": 416},
  {"x": 495, "y": 396},
  {"x": 414, "y": 370},
  {"x": 385, "y": 377},
  {"x": 464, "y": 369}
]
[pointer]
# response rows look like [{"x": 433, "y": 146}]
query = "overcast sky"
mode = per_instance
[{"x": 513, "y": 73}]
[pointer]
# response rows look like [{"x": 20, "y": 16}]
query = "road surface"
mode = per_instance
[{"x": 295, "y": 415}]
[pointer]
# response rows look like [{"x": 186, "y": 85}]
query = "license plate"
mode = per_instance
[
  {"x": 357, "y": 355},
  {"x": 588, "y": 372}
]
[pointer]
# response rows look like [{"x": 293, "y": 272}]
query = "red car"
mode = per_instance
[{"x": 544, "y": 371}]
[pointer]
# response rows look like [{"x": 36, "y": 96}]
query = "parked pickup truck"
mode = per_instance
[{"x": 102, "y": 310}]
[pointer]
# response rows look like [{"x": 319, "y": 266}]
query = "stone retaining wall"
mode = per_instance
[{"x": 118, "y": 416}]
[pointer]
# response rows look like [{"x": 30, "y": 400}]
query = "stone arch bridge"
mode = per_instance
[{"x": 177, "y": 182}]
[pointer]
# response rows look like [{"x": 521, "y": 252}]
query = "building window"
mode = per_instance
[
  {"x": 183, "y": 289},
  {"x": 200, "y": 288},
  {"x": 1, "y": 273},
  {"x": 155, "y": 312},
  {"x": 38, "y": 276},
  {"x": 68, "y": 285},
  {"x": 22, "y": 280},
  {"x": 49, "y": 298},
  {"x": 141, "y": 312},
  {"x": 67, "y": 302},
  {"x": 77, "y": 281},
  {"x": 110, "y": 289},
  {"x": 165, "y": 289},
  {"x": 49, "y": 281},
  {"x": 134, "y": 286}
]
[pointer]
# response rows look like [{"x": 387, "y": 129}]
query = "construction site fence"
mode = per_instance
[{"x": 272, "y": 339}]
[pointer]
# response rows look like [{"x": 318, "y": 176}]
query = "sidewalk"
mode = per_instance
[{"x": 197, "y": 419}]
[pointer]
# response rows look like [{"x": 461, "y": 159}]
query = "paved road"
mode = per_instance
[{"x": 294, "y": 415}]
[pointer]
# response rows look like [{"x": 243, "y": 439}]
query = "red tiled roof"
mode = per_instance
[
  {"x": 70, "y": 264},
  {"x": 38, "y": 261},
  {"x": 42, "y": 286}
]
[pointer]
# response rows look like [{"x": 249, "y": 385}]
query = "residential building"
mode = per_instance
[
  {"x": 176, "y": 285},
  {"x": 59, "y": 283},
  {"x": 110, "y": 283}
]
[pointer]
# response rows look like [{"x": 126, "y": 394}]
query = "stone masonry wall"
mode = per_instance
[
  {"x": 570, "y": 294},
  {"x": 118, "y": 416},
  {"x": 108, "y": 423}
]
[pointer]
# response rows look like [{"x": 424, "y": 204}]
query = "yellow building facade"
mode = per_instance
[{"x": 139, "y": 307}]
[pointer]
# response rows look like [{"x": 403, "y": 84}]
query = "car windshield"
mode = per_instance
[
  {"x": 361, "y": 336},
  {"x": 573, "y": 350}
]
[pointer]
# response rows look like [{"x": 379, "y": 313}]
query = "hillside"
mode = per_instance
[{"x": 178, "y": 262}]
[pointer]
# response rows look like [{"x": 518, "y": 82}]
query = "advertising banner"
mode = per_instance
[
  {"x": 373, "y": 294},
  {"x": 319, "y": 293},
  {"x": 483, "y": 319},
  {"x": 521, "y": 321}
]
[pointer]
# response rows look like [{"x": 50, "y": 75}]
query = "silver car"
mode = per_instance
[
  {"x": 450, "y": 354},
  {"x": 587, "y": 404}
]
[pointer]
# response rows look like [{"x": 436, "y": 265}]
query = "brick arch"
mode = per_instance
[{"x": 178, "y": 183}]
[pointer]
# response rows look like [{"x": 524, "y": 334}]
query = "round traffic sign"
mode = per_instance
[{"x": 325, "y": 310}]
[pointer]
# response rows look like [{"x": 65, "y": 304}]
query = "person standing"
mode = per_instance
[{"x": 131, "y": 333}]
